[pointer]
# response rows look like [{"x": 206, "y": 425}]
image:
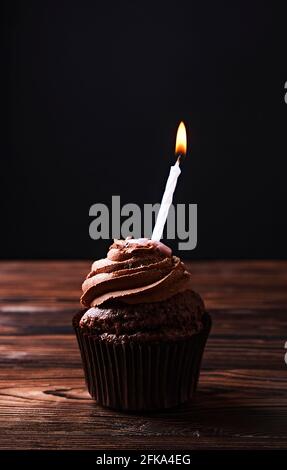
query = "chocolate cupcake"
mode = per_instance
[{"x": 143, "y": 330}]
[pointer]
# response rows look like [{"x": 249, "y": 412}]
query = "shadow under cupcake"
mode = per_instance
[{"x": 143, "y": 331}]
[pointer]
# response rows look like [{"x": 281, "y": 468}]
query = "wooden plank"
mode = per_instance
[
  {"x": 229, "y": 284},
  {"x": 241, "y": 400}
]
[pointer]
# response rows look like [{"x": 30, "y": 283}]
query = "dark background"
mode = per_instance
[{"x": 93, "y": 95}]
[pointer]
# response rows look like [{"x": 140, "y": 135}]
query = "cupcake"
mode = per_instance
[{"x": 142, "y": 330}]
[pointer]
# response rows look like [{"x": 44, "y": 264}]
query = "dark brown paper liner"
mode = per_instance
[{"x": 142, "y": 376}]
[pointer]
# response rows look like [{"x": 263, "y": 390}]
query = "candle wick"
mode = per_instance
[{"x": 180, "y": 159}]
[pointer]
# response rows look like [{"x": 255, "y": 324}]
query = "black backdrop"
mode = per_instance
[{"x": 93, "y": 94}]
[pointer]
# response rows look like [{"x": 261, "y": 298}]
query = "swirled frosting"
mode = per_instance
[{"x": 135, "y": 271}]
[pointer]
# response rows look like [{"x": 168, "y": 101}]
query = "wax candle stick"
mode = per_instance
[{"x": 180, "y": 151}]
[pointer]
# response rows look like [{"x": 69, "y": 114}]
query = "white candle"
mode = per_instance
[
  {"x": 170, "y": 185},
  {"x": 166, "y": 202}
]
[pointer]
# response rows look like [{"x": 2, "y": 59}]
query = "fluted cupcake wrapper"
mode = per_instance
[{"x": 142, "y": 376}]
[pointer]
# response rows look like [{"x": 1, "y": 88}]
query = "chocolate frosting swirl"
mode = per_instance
[{"x": 135, "y": 271}]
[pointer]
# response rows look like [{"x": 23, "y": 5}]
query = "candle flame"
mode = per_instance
[{"x": 181, "y": 140}]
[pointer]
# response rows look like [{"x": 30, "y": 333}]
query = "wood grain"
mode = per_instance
[{"x": 242, "y": 395}]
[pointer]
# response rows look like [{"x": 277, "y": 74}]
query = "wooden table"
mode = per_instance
[{"x": 242, "y": 395}]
